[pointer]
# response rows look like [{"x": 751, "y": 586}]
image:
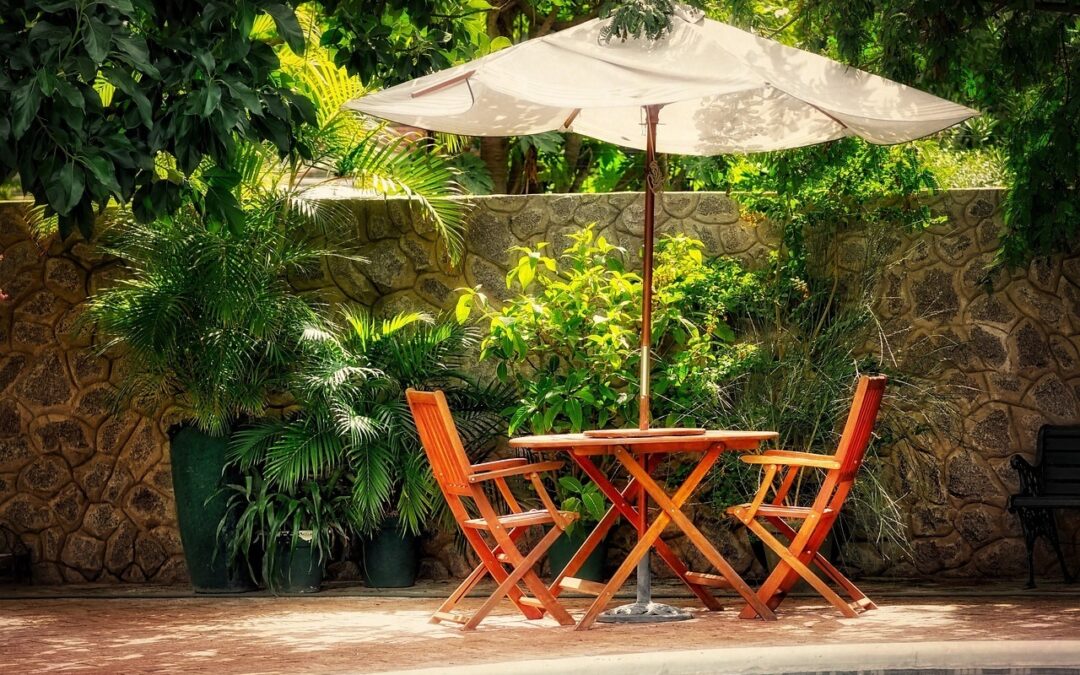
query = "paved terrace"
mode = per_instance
[{"x": 346, "y": 629}]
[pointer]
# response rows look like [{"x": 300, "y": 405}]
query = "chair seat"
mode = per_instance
[
  {"x": 771, "y": 510},
  {"x": 523, "y": 519}
]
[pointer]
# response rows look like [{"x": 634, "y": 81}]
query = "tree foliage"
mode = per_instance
[
  {"x": 1016, "y": 60},
  {"x": 181, "y": 81}
]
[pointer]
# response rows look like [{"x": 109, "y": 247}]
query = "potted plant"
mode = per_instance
[
  {"x": 353, "y": 418},
  {"x": 291, "y": 532},
  {"x": 586, "y": 500}
]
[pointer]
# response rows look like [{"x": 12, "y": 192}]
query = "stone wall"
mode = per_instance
[{"x": 89, "y": 489}]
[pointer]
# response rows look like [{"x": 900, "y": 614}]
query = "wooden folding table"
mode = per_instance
[{"x": 638, "y": 456}]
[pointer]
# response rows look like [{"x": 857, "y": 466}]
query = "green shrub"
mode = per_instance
[{"x": 570, "y": 338}]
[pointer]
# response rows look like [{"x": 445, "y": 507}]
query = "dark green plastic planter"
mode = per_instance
[
  {"x": 298, "y": 569},
  {"x": 198, "y": 460},
  {"x": 390, "y": 558},
  {"x": 567, "y": 545}
]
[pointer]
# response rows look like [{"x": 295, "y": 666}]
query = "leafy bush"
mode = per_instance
[{"x": 569, "y": 340}]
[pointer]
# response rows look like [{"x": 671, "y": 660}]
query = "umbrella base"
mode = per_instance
[{"x": 644, "y": 612}]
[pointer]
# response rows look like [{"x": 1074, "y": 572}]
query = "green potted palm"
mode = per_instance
[
  {"x": 206, "y": 322},
  {"x": 353, "y": 419}
]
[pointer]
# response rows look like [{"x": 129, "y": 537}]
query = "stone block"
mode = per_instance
[
  {"x": 935, "y": 296},
  {"x": 147, "y": 507},
  {"x": 65, "y": 436},
  {"x": 87, "y": 367},
  {"x": 438, "y": 289},
  {"x": 969, "y": 477},
  {"x": 387, "y": 266},
  {"x": 120, "y": 547},
  {"x": 65, "y": 279},
  {"x": 101, "y": 520},
  {"x": 142, "y": 450},
  {"x": 45, "y": 475},
  {"x": 1053, "y": 398},
  {"x": 94, "y": 474},
  {"x": 26, "y": 513},
  {"x": 1031, "y": 347},
  {"x": 30, "y": 337},
  {"x": 46, "y": 383},
  {"x": 716, "y": 207},
  {"x": 69, "y": 505},
  {"x": 149, "y": 554},
  {"x": 420, "y": 252},
  {"x": 1002, "y": 558},
  {"x": 83, "y": 553},
  {"x": 979, "y": 524},
  {"x": 349, "y": 276},
  {"x": 991, "y": 431},
  {"x": 15, "y": 453},
  {"x": 529, "y": 222},
  {"x": 489, "y": 236},
  {"x": 492, "y": 279},
  {"x": 114, "y": 432}
]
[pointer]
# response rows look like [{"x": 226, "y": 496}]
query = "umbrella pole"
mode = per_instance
[
  {"x": 652, "y": 115},
  {"x": 644, "y": 610}
]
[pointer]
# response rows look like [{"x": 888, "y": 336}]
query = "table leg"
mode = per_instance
[
  {"x": 671, "y": 506},
  {"x": 621, "y": 501},
  {"x": 652, "y": 534}
]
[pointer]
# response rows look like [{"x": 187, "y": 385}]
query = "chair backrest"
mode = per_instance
[
  {"x": 1058, "y": 457},
  {"x": 441, "y": 441},
  {"x": 860, "y": 424}
]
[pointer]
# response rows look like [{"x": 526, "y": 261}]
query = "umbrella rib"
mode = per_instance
[{"x": 443, "y": 85}]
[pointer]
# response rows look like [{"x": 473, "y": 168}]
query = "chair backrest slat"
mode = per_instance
[
  {"x": 860, "y": 425},
  {"x": 440, "y": 440}
]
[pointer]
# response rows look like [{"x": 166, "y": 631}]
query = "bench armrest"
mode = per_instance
[
  {"x": 1029, "y": 478},
  {"x": 790, "y": 458},
  {"x": 520, "y": 470}
]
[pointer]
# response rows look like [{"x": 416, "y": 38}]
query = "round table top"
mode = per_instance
[{"x": 730, "y": 438}]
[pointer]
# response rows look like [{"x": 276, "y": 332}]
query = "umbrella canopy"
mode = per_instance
[
  {"x": 712, "y": 88},
  {"x": 723, "y": 90}
]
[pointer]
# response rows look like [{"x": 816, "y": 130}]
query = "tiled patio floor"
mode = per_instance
[{"x": 371, "y": 634}]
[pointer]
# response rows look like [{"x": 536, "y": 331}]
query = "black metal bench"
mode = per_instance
[{"x": 1052, "y": 483}]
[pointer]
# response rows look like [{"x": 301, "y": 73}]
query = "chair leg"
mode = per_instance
[
  {"x": 523, "y": 571},
  {"x": 826, "y": 567},
  {"x": 1031, "y": 533},
  {"x": 477, "y": 575},
  {"x": 778, "y": 579},
  {"x": 1055, "y": 543},
  {"x": 495, "y": 568}
]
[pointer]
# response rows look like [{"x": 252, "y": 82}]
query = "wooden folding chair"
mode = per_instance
[
  {"x": 460, "y": 480},
  {"x": 803, "y": 544}
]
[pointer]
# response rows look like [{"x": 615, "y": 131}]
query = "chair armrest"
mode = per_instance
[
  {"x": 1029, "y": 478},
  {"x": 790, "y": 458},
  {"x": 498, "y": 464},
  {"x": 515, "y": 471}
]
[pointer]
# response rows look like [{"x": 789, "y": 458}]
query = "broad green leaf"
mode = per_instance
[
  {"x": 97, "y": 37},
  {"x": 571, "y": 484},
  {"x": 25, "y": 103},
  {"x": 65, "y": 188},
  {"x": 594, "y": 504},
  {"x": 287, "y": 25}
]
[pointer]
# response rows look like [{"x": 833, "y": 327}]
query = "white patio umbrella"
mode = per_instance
[{"x": 713, "y": 88}]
